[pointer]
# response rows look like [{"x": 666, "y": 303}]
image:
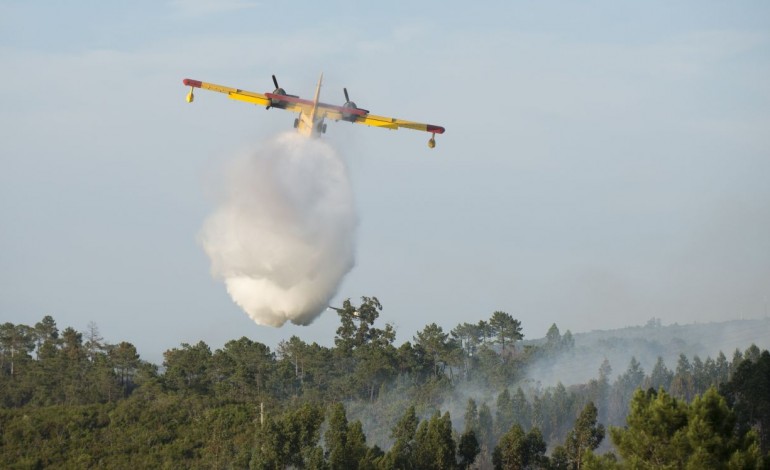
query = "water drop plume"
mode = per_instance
[{"x": 282, "y": 238}]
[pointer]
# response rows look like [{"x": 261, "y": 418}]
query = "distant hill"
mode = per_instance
[{"x": 646, "y": 344}]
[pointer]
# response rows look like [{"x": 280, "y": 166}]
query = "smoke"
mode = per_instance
[
  {"x": 282, "y": 238},
  {"x": 645, "y": 344}
]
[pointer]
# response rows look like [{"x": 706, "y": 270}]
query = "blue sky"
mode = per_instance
[{"x": 604, "y": 162}]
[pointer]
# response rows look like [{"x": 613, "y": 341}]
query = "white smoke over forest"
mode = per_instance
[{"x": 282, "y": 238}]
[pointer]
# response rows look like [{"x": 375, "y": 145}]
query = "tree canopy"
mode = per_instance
[{"x": 72, "y": 399}]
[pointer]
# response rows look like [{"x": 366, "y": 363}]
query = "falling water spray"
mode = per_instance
[{"x": 282, "y": 238}]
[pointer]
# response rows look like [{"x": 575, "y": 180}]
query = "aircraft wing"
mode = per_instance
[
  {"x": 395, "y": 123},
  {"x": 361, "y": 116},
  {"x": 234, "y": 93},
  {"x": 287, "y": 102}
]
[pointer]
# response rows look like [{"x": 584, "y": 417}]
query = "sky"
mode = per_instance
[{"x": 604, "y": 162}]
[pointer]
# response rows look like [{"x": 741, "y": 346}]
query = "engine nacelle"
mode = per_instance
[
  {"x": 351, "y": 112},
  {"x": 347, "y": 116},
  {"x": 190, "y": 96},
  {"x": 432, "y": 141}
]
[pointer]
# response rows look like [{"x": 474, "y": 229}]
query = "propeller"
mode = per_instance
[
  {"x": 278, "y": 91},
  {"x": 348, "y": 103},
  {"x": 351, "y": 116}
]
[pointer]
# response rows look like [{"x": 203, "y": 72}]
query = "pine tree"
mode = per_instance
[
  {"x": 585, "y": 436},
  {"x": 402, "y": 454},
  {"x": 468, "y": 449},
  {"x": 661, "y": 377},
  {"x": 749, "y": 393},
  {"x": 471, "y": 417},
  {"x": 553, "y": 338},
  {"x": 504, "y": 413},
  {"x": 655, "y": 431},
  {"x": 521, "y": 408},
  {"x": 518, "y": 451},
  {"x": 506, "y": 329},
  {"x": 434, "y": 446},
  {"x": 663, "y": 432},
  {"x": 485, "y": 427},
  {"x": 336, "y": 439}
]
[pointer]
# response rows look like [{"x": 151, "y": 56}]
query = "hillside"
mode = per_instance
[{"x": 646, "y": 344}]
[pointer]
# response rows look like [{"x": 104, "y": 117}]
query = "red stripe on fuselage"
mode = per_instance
[
  {"x": 291, "y": 99},
  {"x": 288, "y": 99}
]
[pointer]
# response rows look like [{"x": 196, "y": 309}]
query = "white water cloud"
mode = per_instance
[{"x": 283, "y": 237}]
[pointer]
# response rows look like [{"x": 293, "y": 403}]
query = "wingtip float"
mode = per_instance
[{"x": 312, "y": 113}]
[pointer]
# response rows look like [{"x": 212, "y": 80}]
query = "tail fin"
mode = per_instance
[
  {"x": 317, "y": 96},
  {"x": 309, "y": 123}
]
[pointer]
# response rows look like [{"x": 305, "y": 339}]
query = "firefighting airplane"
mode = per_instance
[{"x": 312, "y": 113}]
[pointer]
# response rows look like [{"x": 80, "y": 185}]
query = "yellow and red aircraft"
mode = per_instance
[{"x": 312, "y": 113}]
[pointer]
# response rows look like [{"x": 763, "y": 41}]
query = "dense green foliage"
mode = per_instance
[
  {"x": 664, "y": 432},
  {"x": 68, "y": 399}
]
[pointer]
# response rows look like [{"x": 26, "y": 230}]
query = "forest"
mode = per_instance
[{"x": 443, "y": 400}]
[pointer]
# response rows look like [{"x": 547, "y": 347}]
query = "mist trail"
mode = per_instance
[{"x": 282, "y": 238}]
